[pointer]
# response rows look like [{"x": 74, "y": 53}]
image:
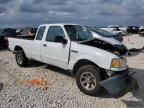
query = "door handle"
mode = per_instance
[{"x": 44, "y": 45}]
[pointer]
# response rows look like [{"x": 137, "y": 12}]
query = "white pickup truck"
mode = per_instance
[{"x": 94, "y": 63}]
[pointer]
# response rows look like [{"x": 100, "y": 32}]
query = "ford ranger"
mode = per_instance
[{"x": 95, "y": 64}]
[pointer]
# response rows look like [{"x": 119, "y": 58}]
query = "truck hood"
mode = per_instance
[{"x": 117, "y": 49}]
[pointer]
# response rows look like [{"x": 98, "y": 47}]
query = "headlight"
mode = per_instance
[{"x": 119, "y": 63}]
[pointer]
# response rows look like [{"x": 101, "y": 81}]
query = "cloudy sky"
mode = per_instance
[{"x": 15, "y": 13}]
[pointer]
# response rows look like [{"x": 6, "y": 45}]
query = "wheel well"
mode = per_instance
[
  {"x": 87, "y": 62},
  {"x": 17, "y": 48},
  {"x": 81, "y": 63}
]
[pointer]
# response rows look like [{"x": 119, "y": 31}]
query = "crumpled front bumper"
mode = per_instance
[{"x": 120, "y": 84}]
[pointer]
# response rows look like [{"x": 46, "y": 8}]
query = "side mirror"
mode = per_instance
[
  {"x": 60, "y": 39},
  {"x": 64, "y": 41}
]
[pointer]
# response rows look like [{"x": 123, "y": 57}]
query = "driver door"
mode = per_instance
[{"x": 55, "y": 52}]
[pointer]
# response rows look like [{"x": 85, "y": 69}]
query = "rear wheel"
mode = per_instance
[
  {"x": 88, "y": 78},
  {"x": 21, "y": 59}
]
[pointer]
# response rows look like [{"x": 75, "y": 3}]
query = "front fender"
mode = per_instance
[
  {"x": 100, "y": 61},
  {"x": 96, "y": 55}
]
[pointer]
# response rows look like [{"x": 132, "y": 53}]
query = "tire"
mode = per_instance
[
  {"x": 94, "y": 74},
  {"x": 21, "y": 59}
]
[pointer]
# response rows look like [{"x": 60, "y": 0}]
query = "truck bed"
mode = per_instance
[
  {"x": 24, "y": 42},
  {"x": 26, "y": 37}
]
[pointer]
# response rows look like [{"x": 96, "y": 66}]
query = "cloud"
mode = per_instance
[
  {"x": 38, "y": 6},
  {"x": 86, "y": 12},
  {"x": 27, "y": 7},
  {"x": 2, "y": 9},
  {"x": 52, "y": 2},
  {"x": 111, "y": 1},
  {"x": 6, "y": 1}
]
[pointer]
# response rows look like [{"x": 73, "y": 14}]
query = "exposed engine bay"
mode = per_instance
[{"x": 118, "y": 50}]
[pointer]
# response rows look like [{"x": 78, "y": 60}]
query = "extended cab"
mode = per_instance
[{"x": 71, "y": 47}]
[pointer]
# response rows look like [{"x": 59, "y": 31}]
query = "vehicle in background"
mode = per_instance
[
  {"x": 27, "y": 31},
  {"x": 9, "y": 32},
  {"x": 93, "y": 62},
  {"x": 116, "y": 30},
  {"x": 141, "y": 32},
  {"x": 141, "y": 27},
  {"x": 133, "y": 29},
  {"x": 110, "y": 39},
  {"x": 18, "y": 31},
  {"x": 3, "y": 42},
  {"x": 104, "y": 35},
  {"x": 122, "y": 28},
  {"x": 5, "y": 33}
]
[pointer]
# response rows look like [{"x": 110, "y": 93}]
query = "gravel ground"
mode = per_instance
[{"x": 62, "y": 91}]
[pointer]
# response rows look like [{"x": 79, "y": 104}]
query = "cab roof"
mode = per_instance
[{"x": 58, "y": 24}]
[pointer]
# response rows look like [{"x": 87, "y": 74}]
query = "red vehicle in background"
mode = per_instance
[{"x": 26, "y": 32}]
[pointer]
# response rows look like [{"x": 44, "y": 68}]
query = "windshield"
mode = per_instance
[
  {"x": 78, "y": 33},
  {"x": 103, "y": 32}
]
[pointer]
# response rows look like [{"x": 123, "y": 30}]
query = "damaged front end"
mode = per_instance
[
  {"x": 117, "y": 80},
  {"x": 119, "y": 84},
  {"x": 117, "y": 49}
]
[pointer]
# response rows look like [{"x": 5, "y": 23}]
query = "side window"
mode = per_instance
[
  {"x": 40, "y": 33},
  {"x": 55, "y": 34}
]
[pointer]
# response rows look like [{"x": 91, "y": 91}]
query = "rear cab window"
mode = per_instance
[{"x": 40, "y": 32}]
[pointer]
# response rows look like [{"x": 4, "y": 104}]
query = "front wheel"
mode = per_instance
[
  {"x": 88, "y": 78},
  {"x": 21, "y": 59}
]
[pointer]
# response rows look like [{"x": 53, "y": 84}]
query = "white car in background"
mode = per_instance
[
  {"x": 116, "y": 30},
  {"x": 141, "y": 27},
  {"x": 106, "y": 35},
  {"x": 110, "y": 38},
  {"x": 122, "y": 28}
]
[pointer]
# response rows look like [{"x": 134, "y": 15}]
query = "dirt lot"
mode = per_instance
[{"x": 62, "y": 91}]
